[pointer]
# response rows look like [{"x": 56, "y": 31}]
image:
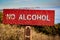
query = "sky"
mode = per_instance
[
  {"x": 38, "y": 4},
  {"x": 29, "y": 3}
]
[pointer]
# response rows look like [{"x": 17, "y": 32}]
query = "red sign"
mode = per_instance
[{"x": 28, "y": 17}]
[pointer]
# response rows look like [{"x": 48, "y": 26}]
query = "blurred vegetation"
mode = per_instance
[
  {"x": 8, "y": 32},
  {"x": 1, "y": 17},
  {"x": 49, "y": 30}
]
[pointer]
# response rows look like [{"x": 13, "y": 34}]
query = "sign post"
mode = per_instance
[
  {"x": 27, "y": 33},
  {"x": 28, "y": 17}
]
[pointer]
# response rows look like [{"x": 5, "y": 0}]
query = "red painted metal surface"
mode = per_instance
[{"x": 28, "y": 17}]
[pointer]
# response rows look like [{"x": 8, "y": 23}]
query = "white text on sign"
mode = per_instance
[{"x": 29, "y": 17}]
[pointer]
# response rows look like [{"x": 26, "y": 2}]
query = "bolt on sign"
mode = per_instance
[{"x": 28, "y": 17}]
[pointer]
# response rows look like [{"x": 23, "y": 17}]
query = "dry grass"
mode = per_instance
[
  {"x": 8, "y": 32},
  {"x": 41, "y": 36}
]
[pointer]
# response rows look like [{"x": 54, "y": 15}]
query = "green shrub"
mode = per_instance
[{"x": 1, "y": 17}]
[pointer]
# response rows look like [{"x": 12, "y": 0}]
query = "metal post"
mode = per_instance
[{"x": 27, "y": 34}]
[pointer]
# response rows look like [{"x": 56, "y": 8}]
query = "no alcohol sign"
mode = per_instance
[{"x": 28, "y": 17}]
